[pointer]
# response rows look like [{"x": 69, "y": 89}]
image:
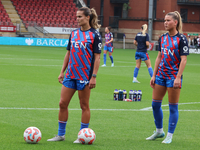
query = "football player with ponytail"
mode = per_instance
[
  {"x": 81, "y": 63},
  {"x": 168, "y": 75},
  {"x": 142, "y": 43}
]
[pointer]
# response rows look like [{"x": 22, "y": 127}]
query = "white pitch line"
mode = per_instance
[
  {"x": 32, "y": 59},
  {"x": 138, "y": 110},
  {"x": 149, "y": 108}
]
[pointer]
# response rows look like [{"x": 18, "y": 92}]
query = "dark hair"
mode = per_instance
[
  {"x": 93, "y": 16},
  {"x": 109, "y": 28},
  {"x": 176, "y": 16}
]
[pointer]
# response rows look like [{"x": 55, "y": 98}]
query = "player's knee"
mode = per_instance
[
  {"x": 138, "y": 66},
  {"x": 84, "y": 106},
  {"x": 62, "y": 105}
]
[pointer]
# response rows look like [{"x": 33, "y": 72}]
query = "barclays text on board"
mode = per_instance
[{"x": 33, "y": 41}]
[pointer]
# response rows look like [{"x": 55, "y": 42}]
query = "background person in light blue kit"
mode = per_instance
[
  {"x": 108, "y": 46},
  {"x": 142, "y": 43}
]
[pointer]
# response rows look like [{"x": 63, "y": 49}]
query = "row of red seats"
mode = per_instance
[
  {"x": 6, "y": 23},
  {"x": 39, "y": 1},
  {"x": 50, "y": 21},
  {"x": 51, "y": 15},
  {"x": 4, "y": 18},
  {"x": 51, "y": 25},
  {"x": 3, "y": 14},
  {"x": 46, "y": 5},
  {"x": 44, "y": 15},
  {"x": 59, "y": 9},
  {"x": 48, "y": 18}
]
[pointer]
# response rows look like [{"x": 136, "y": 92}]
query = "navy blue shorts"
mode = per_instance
[
  {"x": 142, "y": 55},
  {"x": 75, "y": 84},
  {"x": 166, "y": 82}
]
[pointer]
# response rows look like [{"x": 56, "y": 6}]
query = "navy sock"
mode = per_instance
[
  {"x": 61, "y": 128},
  {"x": 173, "y": 117},
  {"x": 150, "y": 71},
  {"x": 104, "y": 58},
  {"x": 136, "y": 72},
  {"x": 84, "y": 125},
  {"x": 111, "y": 58},
  {"x": 157, "y": 113}
]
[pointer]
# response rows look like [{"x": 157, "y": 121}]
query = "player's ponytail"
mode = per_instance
[
  {"x": 180, "y": 24},
  {"x": 176, "y": 16},
  {"x": 94, "y": 19},
  {"x": 93, "y": 16},
  {"x": 144, "y": 29}
]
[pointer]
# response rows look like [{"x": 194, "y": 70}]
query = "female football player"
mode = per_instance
[
  {"x": 81, "y": 63},
  {"x": 167, "y": 76},
  {"x": 142, "y": 43},
  {"x": 108, "y": 46}
]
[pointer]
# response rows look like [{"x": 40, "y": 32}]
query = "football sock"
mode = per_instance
[
  {"x": 159, "y": 130},
  {"x": 84, "y": 125},
  {"x": 136, "y": 72},
  {"x": 61, "y": 128},
  {"x": 173, "y": 117},
  {"x": 157, "y": 113},
  {"x": 170, "y": 135},
  {"x": 111, "y": 58},
  {"x": 104, "y": 58},
  {"x": 150, "y": 71}
]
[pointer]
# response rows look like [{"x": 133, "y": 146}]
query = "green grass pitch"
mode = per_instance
[{"x": 28, "y": 79}]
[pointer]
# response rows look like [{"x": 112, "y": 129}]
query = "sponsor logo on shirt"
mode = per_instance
[
  {"x": 79, "y": 44},
  {"x": 185, "y": 49},
  {"x": 168, "y": 51},
  {"x": 100, "y": 46}
]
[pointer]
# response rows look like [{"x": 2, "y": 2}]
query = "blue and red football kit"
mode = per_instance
[
  {"x": 109, "y": 46},
  {"x": 82, "y": 46},
  {"x": 171, "y": 48}
]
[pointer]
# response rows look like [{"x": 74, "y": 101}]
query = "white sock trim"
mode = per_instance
[
  {"x": 159, "y": 130},
  {"x": 170, "y": 134}
]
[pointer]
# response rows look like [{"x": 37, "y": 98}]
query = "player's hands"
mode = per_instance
[
  {"x": 152, "y": 82},
  {"x": 92, "y": 83},
  {"x": 177, "y": 83},
  {"x": 61, "y": 77}
]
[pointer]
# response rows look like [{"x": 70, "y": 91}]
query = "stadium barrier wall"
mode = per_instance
[
  {"x": 34, "y": 41},
  {"x": 194, "y": 50}
]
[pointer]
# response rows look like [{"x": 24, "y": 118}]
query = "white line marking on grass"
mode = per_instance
[
  {"x": 32, "y": 65},
  {"x": 149, "y": 108},
  {"x": 32, "y": 59},
  {"x": 126, "y": 62},
  {"x": 20, "y": 108}
]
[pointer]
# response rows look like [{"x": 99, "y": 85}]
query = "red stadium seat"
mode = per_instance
[{"x": 44, "y": 11}]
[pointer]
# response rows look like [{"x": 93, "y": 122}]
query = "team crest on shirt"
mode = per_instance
[
  {"x": 185, "y": 49},
  {"x": 87, "y": 36}
]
